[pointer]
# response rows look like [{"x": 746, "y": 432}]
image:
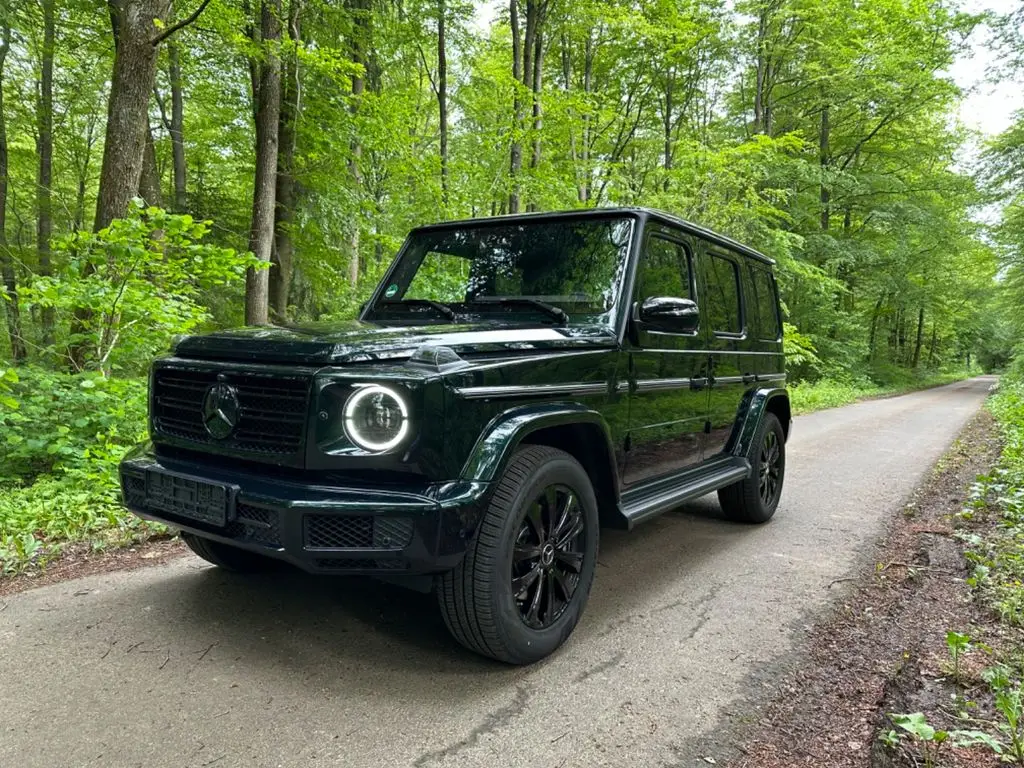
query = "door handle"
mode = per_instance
[
  {"x": 749, "y": 378},
  {"x": 698, "y": 382}
]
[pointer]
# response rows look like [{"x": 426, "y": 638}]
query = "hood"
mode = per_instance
[{"x": 356, "y": 341}]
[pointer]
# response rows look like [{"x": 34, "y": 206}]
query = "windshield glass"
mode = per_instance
[{"x": 552, "y": 270}]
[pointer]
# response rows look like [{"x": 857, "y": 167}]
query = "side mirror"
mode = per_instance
[{"x": 668, "y": 313}]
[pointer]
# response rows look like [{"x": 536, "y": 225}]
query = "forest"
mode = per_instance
[{"x": 168, "y": 167}]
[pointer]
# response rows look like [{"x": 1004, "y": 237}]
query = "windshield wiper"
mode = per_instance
[
  {"x": 549, "y": 309},
  {"x": 441, "y": 308}
]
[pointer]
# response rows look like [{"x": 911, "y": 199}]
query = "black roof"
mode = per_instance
[{"x": 647, "y": 213}]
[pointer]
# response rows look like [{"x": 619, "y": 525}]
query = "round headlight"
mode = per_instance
[{"x": 376, "y": 418}]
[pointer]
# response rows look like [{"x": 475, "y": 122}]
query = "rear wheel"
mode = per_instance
[
  {"x": 524, "y": 582},
  {"x": 227, "y": 557},
  {"x": 754, "y": 499}
]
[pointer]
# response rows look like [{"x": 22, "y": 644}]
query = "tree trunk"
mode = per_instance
[
  {"x": 284, "y": 247},
  {"x": 361, "y": 25},
  {"x": 920, "y": 333},
  {"x": 7, "y": 273},
  {"x": 516, "y": 147},
  {"x": 931, "y": 346},
  {"x": 537, "y": 86},
  {"x": 588, "y": 78},
  {"x": 149, "y": 180},
  {"x": 134, "y": 22},
  {"x": 176, "y": 129},
  {"x": 762, "y": 109},
  {"x": 824, "y": 158},
  {"x": 268, "y": 108},
  {"x": 44, "y": 148},
  {"x": 667, "y": 129},
  {"x": 442, "y": 97},
  {"x": 874, "y": 325}
]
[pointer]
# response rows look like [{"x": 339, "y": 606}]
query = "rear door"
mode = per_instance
[
  {"x": 733, "y": 369},
  {"x": 668, "y": 402}
]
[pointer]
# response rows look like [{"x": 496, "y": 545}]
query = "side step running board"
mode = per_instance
[{"x": 645, "y": 503}]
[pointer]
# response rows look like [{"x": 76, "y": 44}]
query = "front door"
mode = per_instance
[
  {"x": 668, "y": 401},
  {"x": 733, "y": 370}
]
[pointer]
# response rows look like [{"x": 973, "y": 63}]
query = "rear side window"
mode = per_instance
[
  {"x": 767, "y": 305},
  {"x": 722, "y": 302},
  {"x": 664, "y": 270}
]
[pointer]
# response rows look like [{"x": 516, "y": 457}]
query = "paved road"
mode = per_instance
[{"x": 690, "y": 620}]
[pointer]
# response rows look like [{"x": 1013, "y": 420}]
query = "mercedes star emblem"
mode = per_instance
[{"x": 220, "y": 410}]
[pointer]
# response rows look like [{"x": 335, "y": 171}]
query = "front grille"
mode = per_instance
[
  {"x": 271, "y": 417},
  {"x": 356, "y": 532}
]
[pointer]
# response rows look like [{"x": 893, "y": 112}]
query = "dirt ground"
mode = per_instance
[
  {"x": 884, "y": 648},
  {"x": 77, "y": 560}
]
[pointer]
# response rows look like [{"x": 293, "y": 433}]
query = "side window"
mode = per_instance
[
  {"x": 767, "y": 305},
  {"x": 664, "y": 270},
  {"x": 722, "y": 302},
  {"x": 441, "y": 277}
]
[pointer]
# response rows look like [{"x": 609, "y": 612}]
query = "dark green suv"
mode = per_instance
[{"x": 512, "y": 385}]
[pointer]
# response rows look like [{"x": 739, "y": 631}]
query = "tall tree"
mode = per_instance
[
  {"x": 173, "y": 123},
  {"x": 44, "y": 149},
  {"x": 442, "y": 95},
  {"x": 267, "y": 98},
  {"x": 139, "y": 29},
  {"x": 283, "y": 257},
  {"x": 359, "y": 44},
  {"x": 7, "y": 273}
]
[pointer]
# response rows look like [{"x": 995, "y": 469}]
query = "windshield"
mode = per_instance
[{"x": 551, "y": 270}]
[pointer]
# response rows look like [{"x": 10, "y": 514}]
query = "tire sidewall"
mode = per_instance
[
  {"x": 524, "y": 641},
  {"x": 769, "y": 423}
]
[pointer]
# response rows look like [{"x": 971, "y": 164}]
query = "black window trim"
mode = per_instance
[{"x": 713, "y": 252}]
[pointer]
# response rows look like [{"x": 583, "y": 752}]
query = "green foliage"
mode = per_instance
[
  {"x": 958, "y": 644},
  {"x": 928, "y": 739},
  {"x": 808, "y": 396},
  {"x": 999, "y": 558},
  {"x": 59, "y": 451},
  {"x": 66, "y": 422},
  {"x": 134, "y": 284}
]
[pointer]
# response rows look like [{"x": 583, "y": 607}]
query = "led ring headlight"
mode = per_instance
[{"x": 376, "y": 418}]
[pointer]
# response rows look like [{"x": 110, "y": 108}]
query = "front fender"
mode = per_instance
[
  {"x": 751, "y": 411},
  {"x": 500, "y": 438}
]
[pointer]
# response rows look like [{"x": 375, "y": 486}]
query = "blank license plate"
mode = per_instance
[{"x": 185, "y": 497}]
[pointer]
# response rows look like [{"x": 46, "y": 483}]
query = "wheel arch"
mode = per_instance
[
  {"x": 756, "y": 403},
  {"x": 573, "y": 428}
]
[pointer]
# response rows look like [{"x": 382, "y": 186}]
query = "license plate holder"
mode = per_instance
[{"x": 188, "y": 497}]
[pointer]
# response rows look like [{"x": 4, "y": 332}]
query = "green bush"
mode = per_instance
[
  {"x": 999, "y": 558},
  {"x": 59, "y": 450},
  {"x": 62, "y": 423}
]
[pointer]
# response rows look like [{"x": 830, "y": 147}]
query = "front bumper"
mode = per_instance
[{"x": 319, "y": 526}]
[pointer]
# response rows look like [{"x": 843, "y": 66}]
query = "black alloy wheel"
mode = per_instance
[
  {"x": 755, "y": 498},
  {"x": 522, "y": 586},
  {"x": 770, "y": 469},
  {"x": 547, "y": 558}
]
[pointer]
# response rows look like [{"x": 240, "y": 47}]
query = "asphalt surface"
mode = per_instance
[{"x": 690, "y": 622}]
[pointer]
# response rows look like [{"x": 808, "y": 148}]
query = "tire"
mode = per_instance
[
  {"x": 755, "y": 499},
  {"x": 229, "y": 558},
  {"x": 552, "y": 558}
]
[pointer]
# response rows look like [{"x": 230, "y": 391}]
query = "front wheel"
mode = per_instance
[
  {"x": 755, "y": 499},
  {"x": 524, "y": 582}
]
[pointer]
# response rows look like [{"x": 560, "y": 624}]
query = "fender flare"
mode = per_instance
[
  {"x": 752, "y": 409},
  {"x": 503, "y": 434}
]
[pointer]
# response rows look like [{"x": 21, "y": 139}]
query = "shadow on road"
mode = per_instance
[{"x": 363, "y": 631}]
